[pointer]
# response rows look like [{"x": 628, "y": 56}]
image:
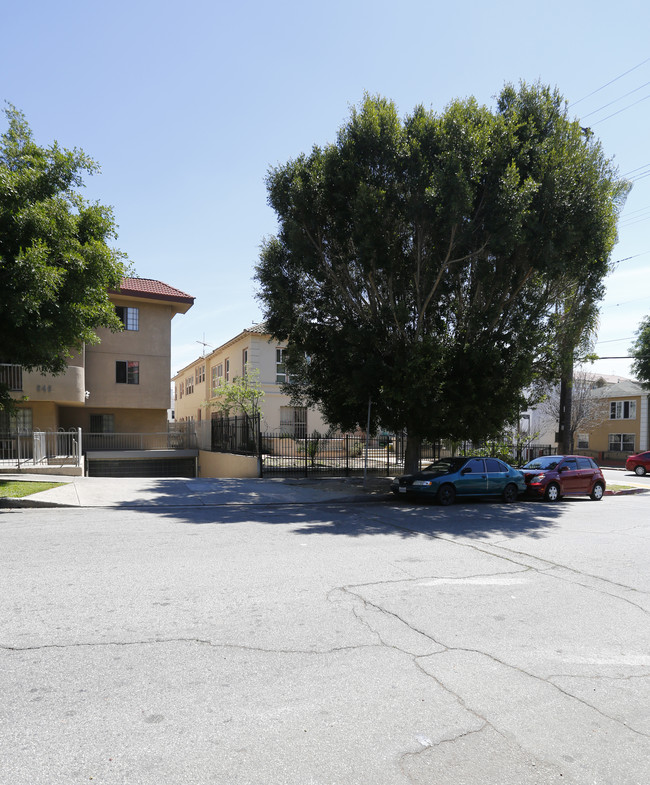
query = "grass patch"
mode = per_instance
[
  {"x": 16, "y": 489},
  {"x": 620, "y": 487}
]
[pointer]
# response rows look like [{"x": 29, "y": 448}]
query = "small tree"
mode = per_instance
[
  {"x": 588, "y": 410},
  {"x": 243, "y": 395}
]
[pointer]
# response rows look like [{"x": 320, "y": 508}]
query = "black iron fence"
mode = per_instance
[
  {"x": 341, "y": 454},
  {"x": 235, "y": 434},
  {"x": 349, "y": 454}
]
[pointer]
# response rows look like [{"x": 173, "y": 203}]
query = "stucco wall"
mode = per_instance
[
  {"x": 221, "y": 464},
  {"x": 125, "y": 420},
  {"x": 149, "y": 345}
]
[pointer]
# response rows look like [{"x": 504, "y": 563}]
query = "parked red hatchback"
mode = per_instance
[
  {"x": 550, "y": 477},
  {"x": 639, "y": 463}
]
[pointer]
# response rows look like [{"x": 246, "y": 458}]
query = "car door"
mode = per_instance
[
  {"x": 587, "y": 474},
  {"x": 497, "y": 476},
  {"x": 472, "y": 480},
  {"x": 569, "y": 476}
]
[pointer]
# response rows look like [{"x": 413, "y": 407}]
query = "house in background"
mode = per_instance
[
  {"x": 255, "y": 347},
  {"x": 615, "y": 426},
  {"x": 117, "y": 386},
  {"x": 625, "y": 428}
]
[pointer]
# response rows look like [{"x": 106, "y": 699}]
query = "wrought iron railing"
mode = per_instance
[{"x": 41, "y": 448}]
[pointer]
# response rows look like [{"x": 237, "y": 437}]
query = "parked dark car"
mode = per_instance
[
  {"x": 447, "y": 478},
  {"x": 551, "y": 477},
  {"x": 639, "y": 463}
]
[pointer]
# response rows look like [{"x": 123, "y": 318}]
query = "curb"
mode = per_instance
[
  {"x": 8, "y": 502},
  {"x": 626, "y": 492}
]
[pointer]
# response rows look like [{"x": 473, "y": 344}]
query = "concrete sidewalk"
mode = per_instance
[{"x": 183, "y": 492}]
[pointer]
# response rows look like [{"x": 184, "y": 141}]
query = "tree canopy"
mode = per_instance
[
  {"x": 420, "y": 263},
  {"x": 55, "y": 262},
  {"x": 640, "y": 351}
]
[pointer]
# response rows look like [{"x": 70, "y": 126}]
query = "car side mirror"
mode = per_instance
[
  {"x": 466, "y": 470},
  {"x": 563, "y": 469}
]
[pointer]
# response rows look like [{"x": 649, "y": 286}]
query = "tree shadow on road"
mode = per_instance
[{"x": 237, "y": 502}]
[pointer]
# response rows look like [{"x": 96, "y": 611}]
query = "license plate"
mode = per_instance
[{"x": 402, "y": 490}]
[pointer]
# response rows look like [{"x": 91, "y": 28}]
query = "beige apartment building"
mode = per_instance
[
  {"x": 255, "y": 347},
  {"x": 625, "y": 428},
  {"x": 121, "y": 384}
]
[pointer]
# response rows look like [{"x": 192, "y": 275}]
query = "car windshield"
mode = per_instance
[
  {"x": 546, "y": 462},
  {"x": 445, "y": 466}
]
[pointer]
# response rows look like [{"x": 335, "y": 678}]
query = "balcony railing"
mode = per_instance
[{"x": 12, "y": 376}]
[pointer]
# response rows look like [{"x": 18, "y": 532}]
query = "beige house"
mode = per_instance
[
  {"x": 255, "y": 347},
  {"x": 120, "y": 385},
  {"x": 625, "y": 428}
]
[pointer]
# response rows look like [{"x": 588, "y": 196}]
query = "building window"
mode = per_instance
[
  {"x": 583, "y": 441},
  {"x": 621, "y": 442},
  {"x": 280, "y": 369},
  {"x": 130, "y": 317},
  {"x": 189, "y": 385},
  {"x": 102, "y": 423},
  {"x": 293, "y": 421},
  {"x": 227, "y": 369},
  {"x": 622, "y": 410},
  {"x": 200, "y": 374},
  {"x": 217, "y": 376},
  {"x": 127, "y": 372},
  {"x": 244, "y": 361},
  {"x": 20, "y": 421},
  {"x": 181, "y": 389}
]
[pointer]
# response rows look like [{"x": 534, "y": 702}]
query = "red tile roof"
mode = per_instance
[{"x": 148, "y": 287}]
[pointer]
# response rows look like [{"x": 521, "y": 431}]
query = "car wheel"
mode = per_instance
[
  {"x": 598, "y": 491},
  {"x": 552, "y": 492},
  {"x": 510, "y": 493},
  {"x": 446, "y": 495},
  {"x": 639, "y": 471}
]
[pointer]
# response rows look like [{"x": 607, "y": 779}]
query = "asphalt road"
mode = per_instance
[{"x": 329, "y": 644}]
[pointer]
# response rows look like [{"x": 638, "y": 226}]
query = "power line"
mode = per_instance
[
  {"x": 620, "y": 76},
  {"x": 645, "y": 166},
  {"x": 602, "y": 120},
  {"x": 616, "y": 100}
]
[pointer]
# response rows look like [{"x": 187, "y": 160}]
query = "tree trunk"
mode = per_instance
[
  {"x": 566, "y": 406},
  {"x": 412, "y": 454}
]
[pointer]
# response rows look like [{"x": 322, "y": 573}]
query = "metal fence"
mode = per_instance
[
  {"x": 239, "y": 435},
  {"x": 348, "y": 454},
  {"x": 41, "y": 448}
]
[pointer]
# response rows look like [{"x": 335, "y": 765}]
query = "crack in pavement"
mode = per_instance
[
  {"x": 489, "y": 550},
  {"x": 199, "y": 641},
  {"x": 447, "y": 648}
]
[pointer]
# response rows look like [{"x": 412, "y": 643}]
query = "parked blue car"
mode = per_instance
[{"x": 447, "y": 478}]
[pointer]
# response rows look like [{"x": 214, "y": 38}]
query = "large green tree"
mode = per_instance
[
  {"x": 419, "y": 263},
  {"x": 55, "y": 261},
  {"x": 640, "y": 351}
]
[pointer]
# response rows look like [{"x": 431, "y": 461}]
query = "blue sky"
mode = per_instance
[{"x": 186, "y": 106}]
